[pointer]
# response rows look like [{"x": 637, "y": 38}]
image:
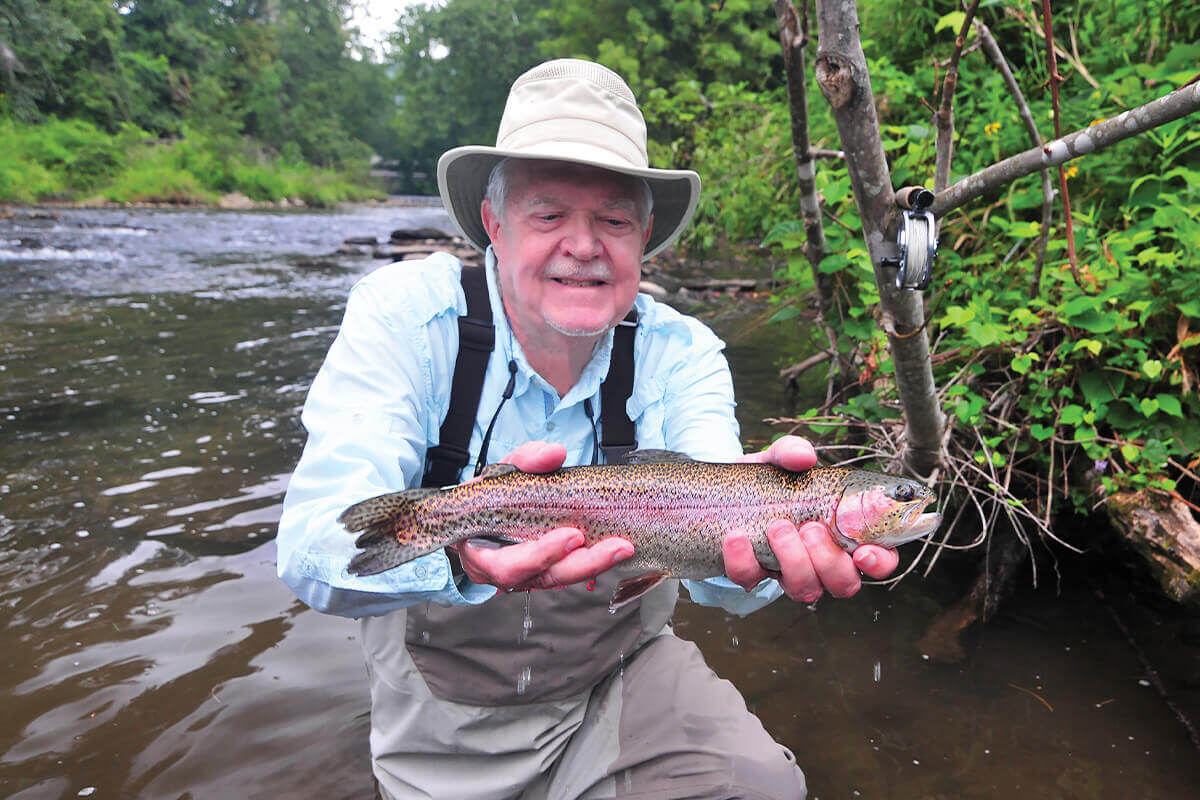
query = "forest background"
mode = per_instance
[{"x": 1062, "y": 386}]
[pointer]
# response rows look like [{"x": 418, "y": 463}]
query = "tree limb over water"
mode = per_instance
[{"x": 1176, "y": 105}]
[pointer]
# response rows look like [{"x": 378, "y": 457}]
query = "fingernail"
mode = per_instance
[
  {"x": 574, "y": 543},
  {"x": 622, "y": 553},
  {"x": 812, "y": 534},
  {"x": 867, "y": 560}
]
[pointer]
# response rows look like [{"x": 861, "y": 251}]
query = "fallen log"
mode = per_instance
[{"x": 1164, "y": 532}]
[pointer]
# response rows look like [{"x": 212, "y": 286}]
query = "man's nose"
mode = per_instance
[{"x": 581, "y": 239}]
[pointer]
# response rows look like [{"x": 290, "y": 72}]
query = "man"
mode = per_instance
[{"x": 481, "y": 688}]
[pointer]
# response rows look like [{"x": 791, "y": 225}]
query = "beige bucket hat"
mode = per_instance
[{"x": 568, "y": 110}]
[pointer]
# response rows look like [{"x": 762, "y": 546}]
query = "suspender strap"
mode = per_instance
[
  {"x": 476, "y": 339},
  {"x": 618, "y": 434}
]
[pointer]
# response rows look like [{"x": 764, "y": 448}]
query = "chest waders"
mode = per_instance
[{"x": 527, "y": 647}]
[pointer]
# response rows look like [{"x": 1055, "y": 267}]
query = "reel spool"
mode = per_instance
[{"x": 917, "y": 243}]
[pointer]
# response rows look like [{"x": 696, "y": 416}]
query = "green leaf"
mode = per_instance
[
  {"x": 1148, "y": 405},
  {"x": 1130, "y": 452},
  {"x": 1091, "y": 345},
  {"x": 954, "y": 21},
  {"x": 1152, "y": 368},
  {"x": 783, "y": 314},
  {"x": 1169, "y": 404},
  {"x": 1071, "y": 415},
  {"x": 1041, "y": 432}
]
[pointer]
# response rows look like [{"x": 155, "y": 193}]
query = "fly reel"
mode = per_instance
[{"x": 916, "y": 241}]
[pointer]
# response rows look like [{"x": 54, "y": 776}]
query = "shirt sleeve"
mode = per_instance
[
  {"x": 698, "y": 419},
  {"x": 367, "y": 416}
]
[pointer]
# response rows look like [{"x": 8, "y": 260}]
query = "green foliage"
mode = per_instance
[
  {"x": 75, "y": 160},
  {"x": 1061, "y": 380}
]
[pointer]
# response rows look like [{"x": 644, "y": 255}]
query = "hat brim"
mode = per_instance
[{"x": 463, "y": 172}]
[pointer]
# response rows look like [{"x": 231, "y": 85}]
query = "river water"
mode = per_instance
[{"x": 152, "y": 368}]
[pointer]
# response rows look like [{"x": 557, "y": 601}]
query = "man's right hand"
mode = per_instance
[{"x": 557, "y": 558}]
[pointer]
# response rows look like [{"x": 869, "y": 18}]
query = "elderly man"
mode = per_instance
[{"x": 481, "y": 688}]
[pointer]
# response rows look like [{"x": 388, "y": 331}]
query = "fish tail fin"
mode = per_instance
[{"x": 389, "y": 528}]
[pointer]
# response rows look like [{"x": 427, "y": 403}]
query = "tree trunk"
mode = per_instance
[
  {"x": 793, "y": 38},
  {"x": 841, "y": 70}
]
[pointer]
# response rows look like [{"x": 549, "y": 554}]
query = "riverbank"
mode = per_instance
[{"x": 73, "y": 162}]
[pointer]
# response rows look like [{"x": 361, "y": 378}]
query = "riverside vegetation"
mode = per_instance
[{"x": 1063, "y": 387}]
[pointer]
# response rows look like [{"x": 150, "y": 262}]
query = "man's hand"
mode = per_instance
[
  {"x": 557, "y": 558},
  {"x": 810, "y": 561}
]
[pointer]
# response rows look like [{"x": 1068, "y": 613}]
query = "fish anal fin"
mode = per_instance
[
  {"x": 651, "y": 456},
  {"x": 631, "y": 589}
]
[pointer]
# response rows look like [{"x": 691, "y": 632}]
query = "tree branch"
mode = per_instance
[
  {"x": 993, "y": 50},
  {"x": 943, "y": 119},
  {"x": 793, "y": 38},
  {"x": 1168, "y": 108}
]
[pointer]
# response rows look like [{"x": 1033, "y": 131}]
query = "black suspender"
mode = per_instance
[
  {"x": 619, "y": 436},
  {"x": 476, "y": 340}
]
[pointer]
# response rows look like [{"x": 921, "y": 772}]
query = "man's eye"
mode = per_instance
[{"x": 617, "y": 223}]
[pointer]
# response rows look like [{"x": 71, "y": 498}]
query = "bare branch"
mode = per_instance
[
  {"x": 793, "y": 38},
  {"x": 1168, "y": 108},
  {"x": 993, "y": 50},
  {"x": 1055, "y": 80},
  {"x": 943, "y": 120}
]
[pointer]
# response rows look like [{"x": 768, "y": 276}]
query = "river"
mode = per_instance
[{"x": 153, "y": 364}]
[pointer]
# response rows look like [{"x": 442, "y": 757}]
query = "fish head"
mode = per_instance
[{"x": 882, "y": 509}]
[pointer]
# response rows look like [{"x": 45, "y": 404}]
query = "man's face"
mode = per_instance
[{"x": 568, "y": 249}]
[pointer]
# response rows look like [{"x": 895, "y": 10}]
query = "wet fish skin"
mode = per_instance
[{"x": 673, "y": 510}]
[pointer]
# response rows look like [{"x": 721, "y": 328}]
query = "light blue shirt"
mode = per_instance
[{"x": 378, "y": 401}]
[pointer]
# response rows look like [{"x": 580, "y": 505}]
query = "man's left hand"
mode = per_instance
[{"x": 810, "y": 561}]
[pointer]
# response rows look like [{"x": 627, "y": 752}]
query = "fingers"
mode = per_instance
[
  {"x": 792, "y": 453},
  {"x": 537, "y": 457},
  {"x": 741, "y": 565},
  {"x": 876, "y": 562},
  {"x": 811, "y": 563},
  {"x": 557, "y": 558}
]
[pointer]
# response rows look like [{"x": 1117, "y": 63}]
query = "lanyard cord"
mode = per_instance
[
  {"x": 487, "y": 437},
  {"x": 587, "y": 409}
]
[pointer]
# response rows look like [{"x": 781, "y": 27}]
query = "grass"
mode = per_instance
[{"x": 74, "y": 161}]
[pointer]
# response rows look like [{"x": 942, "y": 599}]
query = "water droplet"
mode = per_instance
[
  {"x": 527, "y": 622},
  {"x": 424, "y": 637},
  {"x": 523, "y": 679},
  {"x": 875, "y": 616},
  {"x": 628, "y": 781},
  {"x": 735, "y": 640},
  {"x": 86, "y": 791},
  {"x": 878, "y": 671}
]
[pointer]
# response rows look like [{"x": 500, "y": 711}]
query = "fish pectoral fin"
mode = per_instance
[
  {"x": 649, "y": 456},
  {"x": 631, "y": 589}
]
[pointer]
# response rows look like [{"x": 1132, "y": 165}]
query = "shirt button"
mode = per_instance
[{"x": 420, "y": 571}]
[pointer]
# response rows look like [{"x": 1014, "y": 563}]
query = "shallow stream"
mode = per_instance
[{"x": 152, "y": 368}]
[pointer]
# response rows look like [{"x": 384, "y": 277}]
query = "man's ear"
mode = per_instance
[{"x": 491, "y": 221}]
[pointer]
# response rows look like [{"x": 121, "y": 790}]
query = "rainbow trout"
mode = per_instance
[{"x": 675, "y": 512}]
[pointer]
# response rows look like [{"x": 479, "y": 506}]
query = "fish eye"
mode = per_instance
[{"x": 904, "y": 493}]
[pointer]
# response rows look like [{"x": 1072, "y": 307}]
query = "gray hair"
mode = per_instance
[{"x": 503, "y": 175}]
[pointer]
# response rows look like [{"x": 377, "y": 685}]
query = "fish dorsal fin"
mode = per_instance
[
  {"x": 649, "y": 456},
  {"x": 496, "y": 471}
]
